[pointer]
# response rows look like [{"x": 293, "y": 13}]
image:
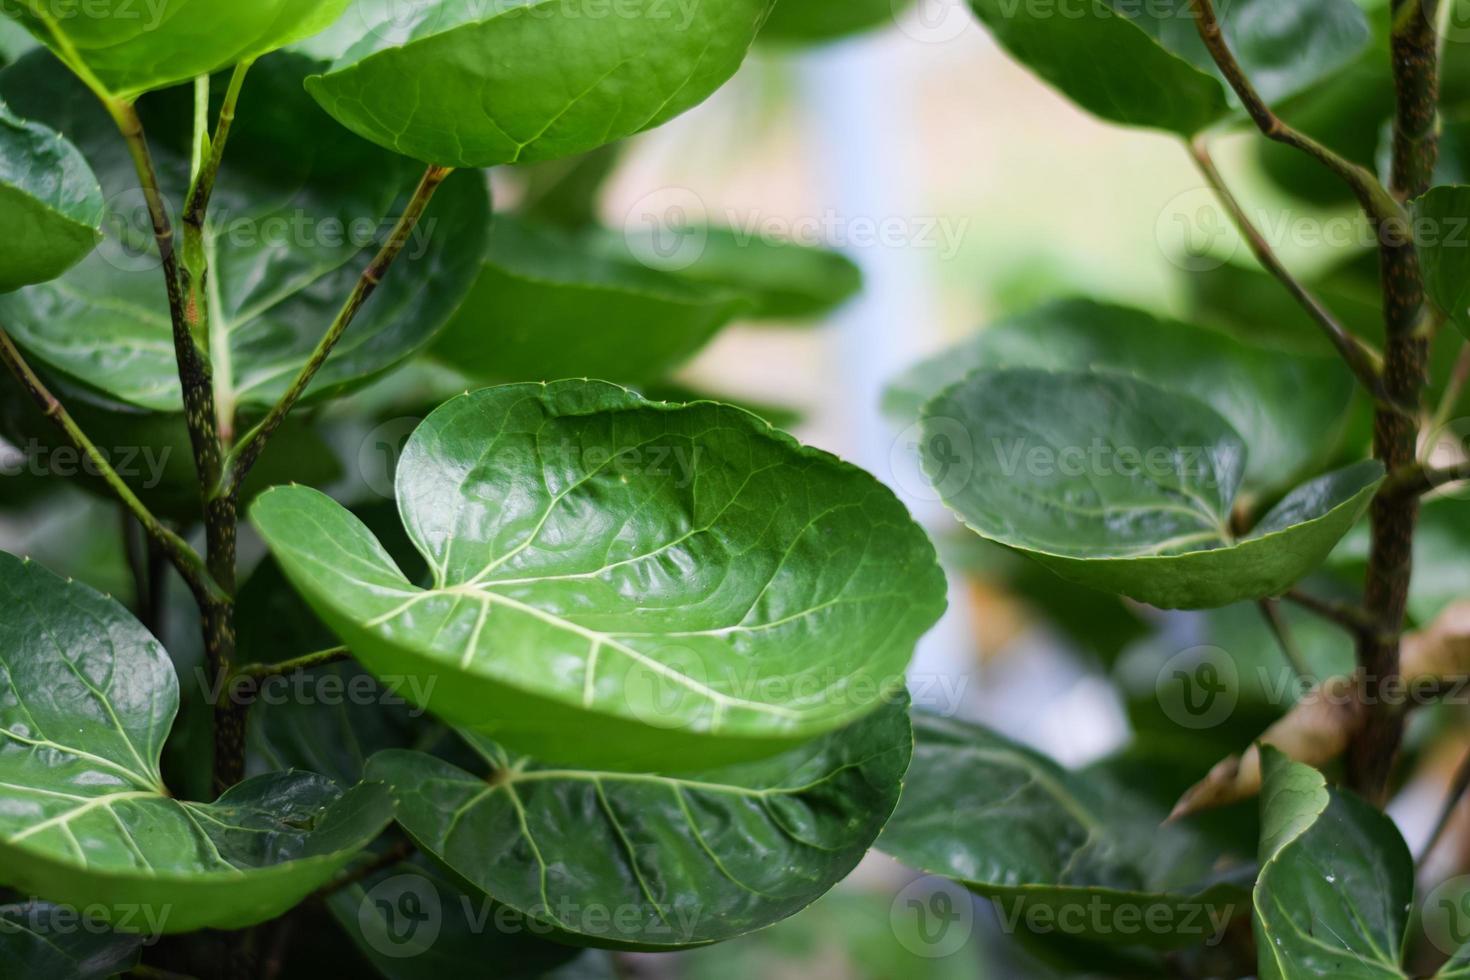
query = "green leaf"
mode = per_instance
[
  {"x": 15, "y": 41},
  {"x": 811, "y": 21},
  {"x": 1144, "y": 65},
  {"x": 1016, "y": 827},
  {"x": 1442, "y": 230},
  {"x": 650, "y": 861},
  {"x": 474, "y": 85},
  {"x": 130, "y": 47},
  {"x": 623, "y": 583},
  {"x": 1441, "y": 542},
  {"x": 412, "y": 922},
  {"x": 42, "y": 940},
  {"x": 299, "y": 211},
  {"x": 87, "y": 698},
  {"x": 547, "y": 306},
  {"x": 1336, "y": 881},
  {"x": 1284, "y": 403},
  {"x": 786, "y": 280},
  {"x": 50, "y": 203},
  {"x": 1122, "y": 486}
]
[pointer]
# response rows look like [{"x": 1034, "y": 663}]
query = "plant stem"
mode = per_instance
[
  {"x": 194, "y": 372},
  {"x": 1376, "y": 201},
  {"x": 251, "y": 446},
  {"x": 1453, "y": 391},
  {"x": 1417, "y": 480},
  {"x": 1458, "y": 785},
  {"x": 310, "y": 661},
  {"x": 184, "y": 557},
  {"x": 396, "y": 854},
  {"x": 1271, "y": 610},
  {"x": 1395, "y": 436},
  {"x": 1365, "y": 363},
  {"x": 1352, "y": 618}
]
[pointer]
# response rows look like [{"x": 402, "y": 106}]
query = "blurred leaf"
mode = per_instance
[
  {"x": 548, "y": 306},
  {"x": 1013, "y": 825},
  {"x": 1442, "y": 231},
  {"x": 813, "y": 21},
  {"x": 42, "y": 940},
  {"x": 1441, "y": 573}
]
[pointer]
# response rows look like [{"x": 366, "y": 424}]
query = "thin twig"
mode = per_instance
[
  {"x": 1281, "y": 629},
  {"x": 1374, "y": 197},
  {"x": 1454, "y": 390},
  {"x": 251, "y": 446},
  {"x": 395, "y": 855},
  {"x": 1458, "y": 785},
  {"x": 185, "y": 559},
  {"x": 1365, "y": 362},
  {"x": 1415, "y": 481},
  {"x": 310, "y": 661},
  {"x": 1352, "y": 618}
]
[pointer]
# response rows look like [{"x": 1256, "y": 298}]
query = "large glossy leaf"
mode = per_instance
[
  {"x": 785, "y": 280},
  {"x": 1336, "y": 882},
  {"x": 547, "y": 305},
  {"x": 479, "y": 85},
  {"x": 134, "y": 46},
  {"x": 1285, "y": 404},
  {"x": 1013, "y": 825},
  {"x": 623, "y": 583},
  {"x": 299, "y": 211},
  {"x": 87, "y": 698},
  {"x": 413, "y": 922},
  {"x": 42, "y": 940},
  {"x": 652, "y": 861},
  {"x": 1442, "y": 228},
  {"x": 1123, "y": 486},
  {"x": 50, "y": 203},
  {"x": 1144, "y": 65}
]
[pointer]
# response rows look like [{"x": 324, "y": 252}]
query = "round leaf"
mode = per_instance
[
  {"x": 134, "y": 46},
  {"x": 300, "y": 209},
  {"x": 479, "y": 85},
  {"x": 548, "y": 306},
  {"x": 87, "y": 698},
  {"x": 1013, "y": 825},
  {"x": 1286, "y": 403},
  {"x": 623, "y": 583},
  {"x": 1336, "y": 881},
  {"x": 657, "y": 862},
  {"x": 50, "y": 203},
  {"x": 1144, "y": 64},
  {"x": 786, "y": 280},
  {"x": 1114, "y": 483}
]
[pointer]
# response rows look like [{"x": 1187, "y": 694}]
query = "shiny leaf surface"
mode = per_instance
[
  {"x": 651, "y": 861},
  {"x": 50, "y": 203},
  {"x": 87, "y": 698},
  {"x": 623, "y": 583},
  {"x": 300, "y": 209},
  {"x": 130, "y": 47},
  {"x": 1285, "y": 403},
  {"x": 1117, "y": 484},
  {"x": 476, "y": 85}
]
